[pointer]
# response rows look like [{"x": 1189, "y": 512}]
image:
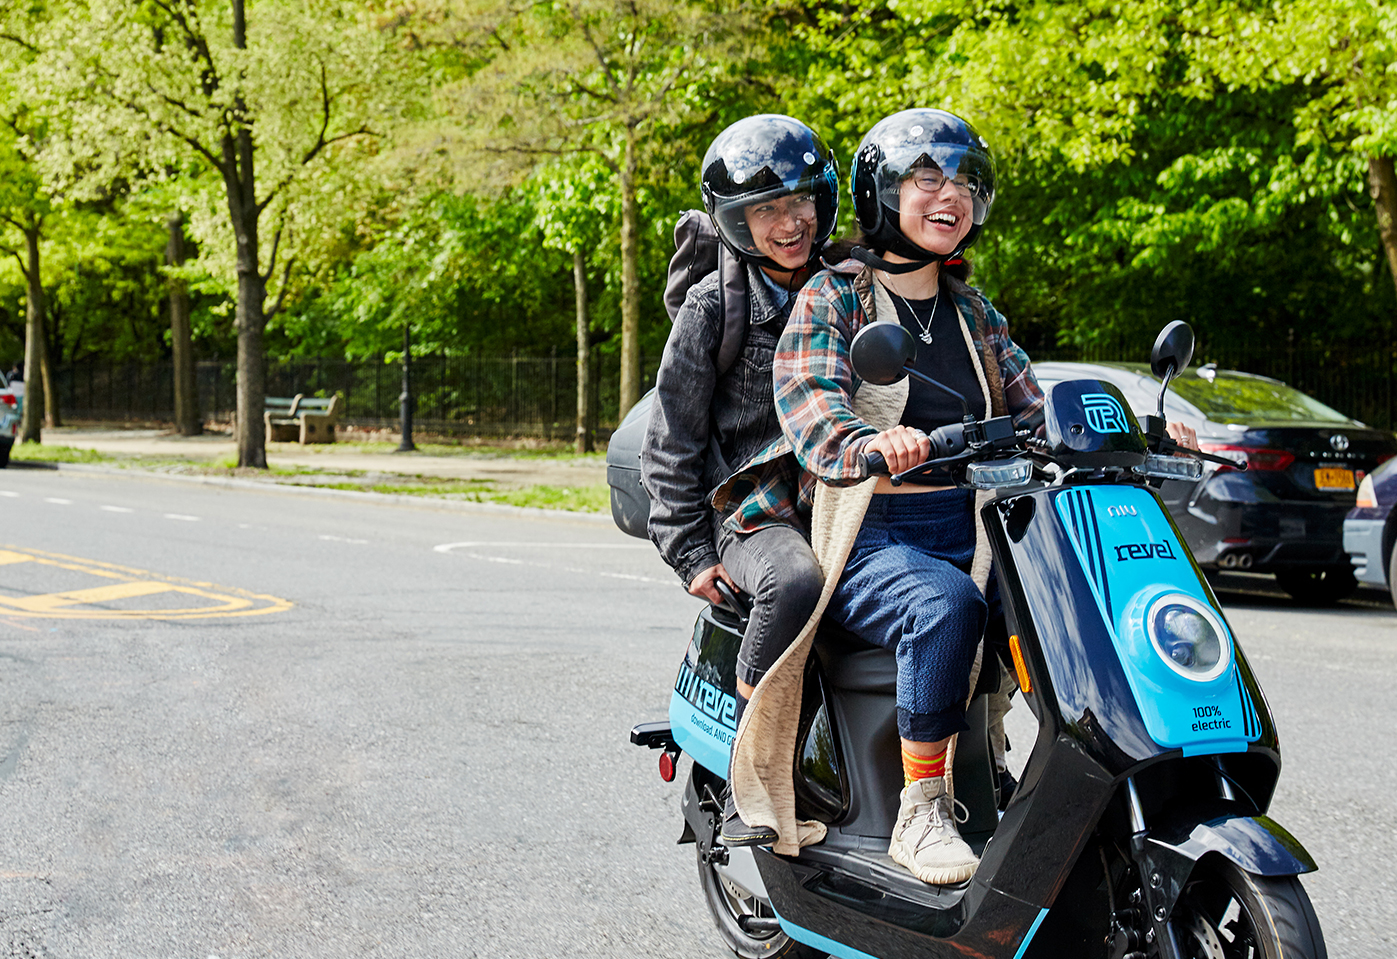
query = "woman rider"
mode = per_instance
[
  {"x": 923, "y": 184},
  {"x": 724, "y": 491}
]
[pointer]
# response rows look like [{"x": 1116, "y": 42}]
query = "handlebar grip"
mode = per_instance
[{"x": 875, "y": 463}]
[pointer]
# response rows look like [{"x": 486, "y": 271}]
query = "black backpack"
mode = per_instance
[{"x": 697, "y": 253}]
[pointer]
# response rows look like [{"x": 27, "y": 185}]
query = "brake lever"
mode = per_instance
[{"x": 1167, "y": 445}]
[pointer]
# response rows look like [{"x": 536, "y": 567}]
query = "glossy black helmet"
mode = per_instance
[
  {"x": 762, "y": 158},
  {"x": 909, "y": 141}
]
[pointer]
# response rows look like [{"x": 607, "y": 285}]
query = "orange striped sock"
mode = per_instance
[{"x": 921, "y": 767}]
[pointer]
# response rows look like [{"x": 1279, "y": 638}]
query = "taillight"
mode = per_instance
[
  {"x": 8, "y": 398},
  {"x": 1257, "y": 458}
]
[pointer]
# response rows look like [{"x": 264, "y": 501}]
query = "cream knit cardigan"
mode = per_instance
[{"x": 763, "y": 759}]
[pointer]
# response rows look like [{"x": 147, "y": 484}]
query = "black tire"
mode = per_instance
[
  {"x": 1226, "y": 913},
  {"x": 5, "y": 446},
  {"x": 1391, "y": 571},
  {"x": 1318, "y": 587},
  {"x": 727, "y": 903}
]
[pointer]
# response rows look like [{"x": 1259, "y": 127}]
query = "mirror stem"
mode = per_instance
[
  {"x": 1168, "y": 375},
  {"x": 964, "y": 405}
]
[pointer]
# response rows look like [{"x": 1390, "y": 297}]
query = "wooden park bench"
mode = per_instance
[{"x": 301, "y": 418}]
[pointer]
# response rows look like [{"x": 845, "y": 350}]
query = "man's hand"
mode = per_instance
[
  {"x": 902, "y": 447},
  {"x": 702, "y": 584}
]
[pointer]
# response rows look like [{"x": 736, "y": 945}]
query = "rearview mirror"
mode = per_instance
[
  {"x": 881, "y": 351},
  {"x": 1173, "y": 348}
]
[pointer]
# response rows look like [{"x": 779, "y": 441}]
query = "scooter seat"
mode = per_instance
[{"x": 852, "y": 664}]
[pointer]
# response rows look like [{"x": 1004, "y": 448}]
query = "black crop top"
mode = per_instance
[{"x": 945, "y": 359}]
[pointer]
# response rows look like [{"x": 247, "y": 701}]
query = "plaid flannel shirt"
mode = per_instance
[{"x": 814, "y": 383}]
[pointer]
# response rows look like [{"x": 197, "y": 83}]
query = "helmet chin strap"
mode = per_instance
[{"x": 869, "y": 258}]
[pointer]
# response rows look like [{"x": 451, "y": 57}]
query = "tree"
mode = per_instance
[
  {"x": 26, "y": 206},
  {"x": 574, "y": 212},
  {"x": 264, "y": 105},
  {"x": 593, "y": 77}
]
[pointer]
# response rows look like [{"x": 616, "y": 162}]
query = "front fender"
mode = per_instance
[{"x": 1255, "y": 844}]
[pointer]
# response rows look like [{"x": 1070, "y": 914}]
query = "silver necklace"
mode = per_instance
[{"x": 925, "y": 336}]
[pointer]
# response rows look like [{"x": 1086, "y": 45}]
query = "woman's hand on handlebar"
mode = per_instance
[
  {"x": 1183, "y": 435},
  {"x": 902, "y": 447},
  {"x": 702, "y": 584}
]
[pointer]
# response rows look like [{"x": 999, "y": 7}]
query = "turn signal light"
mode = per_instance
[{"x": 1020, "y": 667}]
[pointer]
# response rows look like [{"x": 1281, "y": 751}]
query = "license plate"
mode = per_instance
[{"x": 1330, "y": 478}]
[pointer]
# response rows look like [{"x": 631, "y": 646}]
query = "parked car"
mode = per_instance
[
  {"x": 1285, "y": 514},
  {"x": 11, "y": 405},
  {"x": 1370, "y": 529}
]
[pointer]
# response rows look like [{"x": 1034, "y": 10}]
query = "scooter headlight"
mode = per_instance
[{"x": 1188, "y": 637}]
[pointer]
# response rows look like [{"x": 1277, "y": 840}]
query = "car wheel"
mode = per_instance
[
  {"x": 5, "y": 447},
  {"x": 1391, "y": 571},
  {"x": 1318, "y": 587}
]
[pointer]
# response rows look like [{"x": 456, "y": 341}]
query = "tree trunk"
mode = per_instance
[
  {"x": 630, "y": 282},
  {"x": 33, "y": 343},
  {"x": 1382, "y": 186},
  {"x": 241, "y": 183},
  {"x": 187, "y": 422},
  {"x": 51, "y": 417},
  {"x": 585, "y": 428},
  {"x": 252, "y": 364}
]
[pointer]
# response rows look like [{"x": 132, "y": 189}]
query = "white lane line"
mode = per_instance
[
  {"x": 5, "y": 492},
  {"x": 117, "y": 509},
  {"x": 181, "y": 516},
  {"x": 509, "y": 561},
  {"x": 448, "y": 547},
  {"x": 60, "y": 502},
  {"x": 342, "y": 539}
]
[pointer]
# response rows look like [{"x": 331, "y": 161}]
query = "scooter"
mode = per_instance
[{"x": 1138, "y": 829}]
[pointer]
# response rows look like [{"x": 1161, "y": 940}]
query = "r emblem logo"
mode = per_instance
[{"x": 1104, "y": 413}]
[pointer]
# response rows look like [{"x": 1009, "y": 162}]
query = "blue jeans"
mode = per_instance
[{"x": 907, "y": 588}]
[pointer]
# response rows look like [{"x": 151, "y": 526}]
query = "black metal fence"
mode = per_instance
[
  {"x": 462, "y": 396},
  {"x": 537, "y": 396}
]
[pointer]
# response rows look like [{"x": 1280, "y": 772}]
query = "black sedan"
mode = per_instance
[{"x": 1285, "y": 513}]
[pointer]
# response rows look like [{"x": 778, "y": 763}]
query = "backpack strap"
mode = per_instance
[{"x": 733, "y": 306}]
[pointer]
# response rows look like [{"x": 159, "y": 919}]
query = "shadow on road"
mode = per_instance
[{"x": 1259, "y": 590}]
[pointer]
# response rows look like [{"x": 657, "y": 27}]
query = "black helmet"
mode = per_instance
[
  {"x": 761, "y": 158},
  {"x": 906, "y": 141}
]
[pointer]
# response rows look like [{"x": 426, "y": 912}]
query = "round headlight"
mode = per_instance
[{"x": 1188, "y": 637}]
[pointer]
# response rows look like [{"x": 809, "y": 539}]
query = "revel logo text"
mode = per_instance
[{"x": 1104, "y": 413}]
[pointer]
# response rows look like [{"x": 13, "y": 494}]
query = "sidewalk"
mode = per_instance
[{"x": 500, "y": 467}]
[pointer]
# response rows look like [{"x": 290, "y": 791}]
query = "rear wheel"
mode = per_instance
[
  {"x": 1318, "y": 586},
  {"x": 6, "y": 444},
  {"x": 1225, "y": 913},
  {"x": 731, "y": 905}
]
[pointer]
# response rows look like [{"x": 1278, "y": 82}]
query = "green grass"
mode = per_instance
[
  {"x": 585, "y": 498},
  {"x": 39, "y": 453}
]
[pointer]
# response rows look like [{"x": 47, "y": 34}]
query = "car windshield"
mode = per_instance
[{"x": 1230, "y": 398}]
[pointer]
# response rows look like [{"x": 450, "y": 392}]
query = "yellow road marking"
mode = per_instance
[{"x": 130, "y": 583}]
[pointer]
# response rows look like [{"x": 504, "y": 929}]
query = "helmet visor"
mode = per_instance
[
  {"x": 810, "y": 199},
  {"x": 918, "y": 165}
]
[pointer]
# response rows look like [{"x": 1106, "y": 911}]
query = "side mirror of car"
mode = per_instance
[{"x": 881, "y": 353}]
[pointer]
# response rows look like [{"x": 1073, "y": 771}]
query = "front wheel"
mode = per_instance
[
  {"x": 1318, "y": 587},
  {"x": 1226, "y": 913},
  {"x": 731, "y": 904}
]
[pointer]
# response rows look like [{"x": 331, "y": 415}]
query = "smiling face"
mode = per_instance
[
  {"x": 783, "y": 229},
  {"x": 935, "y": 211}
]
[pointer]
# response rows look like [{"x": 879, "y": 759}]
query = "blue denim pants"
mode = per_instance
[{"x": 907, "y": 588}]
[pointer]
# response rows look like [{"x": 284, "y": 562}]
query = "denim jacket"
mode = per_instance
[{"x": 705, "y": 428}]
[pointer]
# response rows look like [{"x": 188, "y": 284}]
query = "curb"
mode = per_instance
[{"x": 428, "y": 502}]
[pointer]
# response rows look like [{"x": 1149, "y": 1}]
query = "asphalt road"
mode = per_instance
[{"x": 370, "y": 730}]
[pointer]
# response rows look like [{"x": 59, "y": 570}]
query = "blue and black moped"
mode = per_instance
[{"x": 1139, "y": 826}]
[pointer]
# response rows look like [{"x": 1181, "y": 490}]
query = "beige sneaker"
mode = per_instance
[{"x": 925, "y": 839}]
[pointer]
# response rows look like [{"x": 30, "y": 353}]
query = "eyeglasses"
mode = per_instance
[
  {"x": 800, "y": 206},
  {"x": 931, "y": 181}
]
